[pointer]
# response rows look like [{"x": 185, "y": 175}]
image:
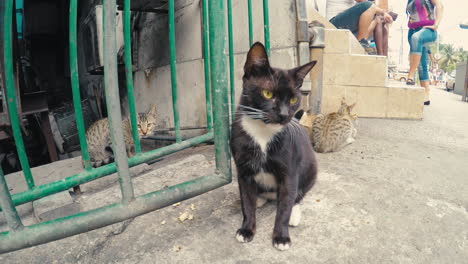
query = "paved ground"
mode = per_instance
[{"x": 399, "y": 194}]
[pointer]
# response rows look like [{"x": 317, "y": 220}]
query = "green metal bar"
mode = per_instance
[
  {"x": 129, "y": 75},
  {"x": 172, "y": 58},
  {"x": 87, "y": 176},
  {"x": 111, "y": 87},
  {"x": 219, "y": 87},
  {"x": 206, "y": 65},
  {"x": 75, "y": 84},
  {"x": 87, "y": 221},
  {"x": 249, "y": 11},
  {"x": 12, "y": 218},
  {"x": 266, "y": 26},
  {"x": 231, "y": 59},
  {"x": 10, "y": 91},
  {"x": 75, "y": 224}
]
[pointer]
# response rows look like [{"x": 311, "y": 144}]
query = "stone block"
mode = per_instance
[
  {"x": 370, "y": 101},
  {"x": 345, "y": 69},
  {"x": 390, "y": 101},
  {"x": 331, "y": 97},
  {"x": 55, "y": 206},
  {"x": 342, "y": 41},
  {"x": 355, "y": 47},
  {"x": 337, "y": 41},
  {"x": 405, "y": 102}
]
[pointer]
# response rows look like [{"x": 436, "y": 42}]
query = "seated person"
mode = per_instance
[
  {"x": 382, "y": 28},
  {"x": 380, "y": 36},
  {"x": 356, "y": 15}
]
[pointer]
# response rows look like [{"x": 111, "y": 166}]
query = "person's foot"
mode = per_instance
[
  {"x": 367, "y": 47},
  {"x": 410, "y": 82},
  {"x": 427, "y": 102}
]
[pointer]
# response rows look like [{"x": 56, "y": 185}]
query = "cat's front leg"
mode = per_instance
[
  {"x": 286, "y": 199},
  {"x": 130, "y": 148},
  {"x": 248, "y": 194}
]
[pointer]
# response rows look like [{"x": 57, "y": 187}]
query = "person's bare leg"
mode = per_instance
[
  {"x": 365, "y": 21},
  {"x": 378, "y": 38},
  {"x": 385, "y": 30},
  {"x": 414, "y": 63},
  {"x": 427, "y": 90}
]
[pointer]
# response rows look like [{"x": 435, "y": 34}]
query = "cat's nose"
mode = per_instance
[
  {"x": 282, "y": 117},
  {"x": 283, "y": 114}
]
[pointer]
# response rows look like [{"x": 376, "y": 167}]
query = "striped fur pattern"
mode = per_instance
[
  {"x": 99, "y": 139},
  {"x": 334, "y": 131}
]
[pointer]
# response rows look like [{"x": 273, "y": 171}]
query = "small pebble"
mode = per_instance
[
  {"x": 177, "y": 248},
  {"x": 184, "y": 216}
]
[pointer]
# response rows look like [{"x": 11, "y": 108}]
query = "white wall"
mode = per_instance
[{"x": 152, "y": 80}]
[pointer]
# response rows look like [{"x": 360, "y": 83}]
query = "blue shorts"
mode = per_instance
[{"x": 349, "y": 19}]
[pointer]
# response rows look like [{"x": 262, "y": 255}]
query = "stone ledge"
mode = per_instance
[
  {"x": 392, "y": 101},
  {"x": 355, "y": 69},
  {"x": 342, "y": 41}
]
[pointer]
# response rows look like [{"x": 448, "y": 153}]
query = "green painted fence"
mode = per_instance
[{"x": 217, "y": 110}]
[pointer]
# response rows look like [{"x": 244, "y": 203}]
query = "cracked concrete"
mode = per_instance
[{"x": 399, "y": 194}]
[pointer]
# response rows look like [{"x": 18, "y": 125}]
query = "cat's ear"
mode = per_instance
[
  {"x": 301, "y": 72},
  {"x": 152, "y": 110},
  {"x": 350, "y": 107},
  {"x": 298, "y": 115},
  {"x": 257, "y": 58}
]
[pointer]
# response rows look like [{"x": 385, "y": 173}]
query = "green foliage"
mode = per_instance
[{"x": 450, "y": 57}]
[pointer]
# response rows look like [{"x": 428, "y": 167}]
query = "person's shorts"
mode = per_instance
[{"x": 349, "y": 19}]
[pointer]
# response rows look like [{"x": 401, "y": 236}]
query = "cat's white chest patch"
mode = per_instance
[
  {"x": 261, "y": 133},
  {"x": 265, "y": 179}
]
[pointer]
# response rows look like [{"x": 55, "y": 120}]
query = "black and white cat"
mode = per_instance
[{"x": 272, "y": 152}]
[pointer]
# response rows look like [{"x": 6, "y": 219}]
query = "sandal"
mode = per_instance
[{"x": 410, "y": 82}]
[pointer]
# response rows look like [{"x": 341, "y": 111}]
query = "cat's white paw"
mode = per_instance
[
  {"x": 241, "y": 238},
  {"x": 350, "y": 140},
  {"x": 282, "y": 243},
  {"x": 244, "y": 235},
  {"x": 261, "y": 202},
  {"x": 282, "y": 247},
  {"x": 295, "y": 218}
]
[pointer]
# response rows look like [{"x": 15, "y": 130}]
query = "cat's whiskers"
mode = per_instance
[{"x": 250, "y": 108}]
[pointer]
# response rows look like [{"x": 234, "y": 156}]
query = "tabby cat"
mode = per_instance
[
  {"x": 272, "y": 152},
  {"x": 334, "y": 131},
  {"x": 99, "y": 140}
]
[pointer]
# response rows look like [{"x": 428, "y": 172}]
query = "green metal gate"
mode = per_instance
[{"x": 217, "y": 108}]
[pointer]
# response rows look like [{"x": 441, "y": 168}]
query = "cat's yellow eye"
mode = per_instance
[
  {"x": 293, "y": 100},
  {"x": 267, "y": 94}
]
